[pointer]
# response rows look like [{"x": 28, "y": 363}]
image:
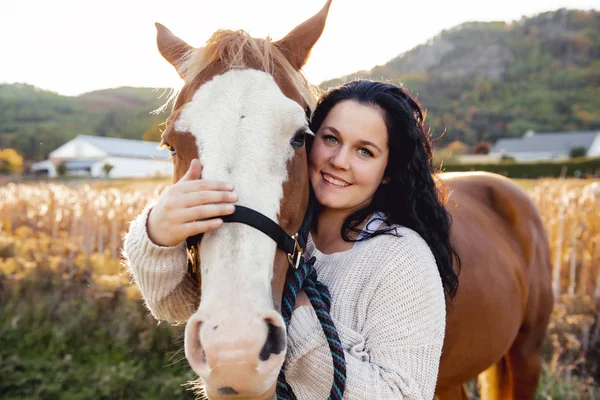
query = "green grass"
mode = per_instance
[
  {"x": 67, "y": 339},
  {"x": 62, "y": 337}
]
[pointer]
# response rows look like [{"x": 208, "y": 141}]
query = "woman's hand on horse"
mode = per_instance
[{"x": 189, "y": 207}]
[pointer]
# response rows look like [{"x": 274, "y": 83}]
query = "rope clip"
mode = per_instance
[{"x": 295, "y": 258}]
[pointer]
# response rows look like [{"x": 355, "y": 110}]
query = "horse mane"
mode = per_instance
[{"x": 237, "y": 49}]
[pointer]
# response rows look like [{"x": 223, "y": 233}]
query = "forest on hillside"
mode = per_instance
[
  {"x": 35, "y": 122},
  {"x": 478, "y": 82},
  {"x": 484, "y": 81}
]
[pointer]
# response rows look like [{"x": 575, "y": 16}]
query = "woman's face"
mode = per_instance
[{"x": 349, "y": 156}]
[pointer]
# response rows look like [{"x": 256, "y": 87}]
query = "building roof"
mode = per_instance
[
  {"x": 117, "y": 147},
  {"x": 546, "y": 142}
]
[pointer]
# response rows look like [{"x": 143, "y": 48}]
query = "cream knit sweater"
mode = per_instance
[{"x": 388, "y": 305}]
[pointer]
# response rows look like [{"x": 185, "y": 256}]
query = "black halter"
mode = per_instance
[{"x": 292, "y": 245}]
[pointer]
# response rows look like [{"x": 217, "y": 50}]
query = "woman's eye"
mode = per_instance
[
  {"x": 365, "y": 153},
  {"x": 330, "y": 139}
]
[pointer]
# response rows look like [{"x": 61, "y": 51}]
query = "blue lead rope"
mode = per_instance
[{"x": 305, "y": 277}]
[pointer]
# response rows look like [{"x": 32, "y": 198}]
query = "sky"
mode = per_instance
[{"x": 75, "y": 46}]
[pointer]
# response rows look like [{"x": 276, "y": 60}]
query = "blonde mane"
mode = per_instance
[{"x": 237, "y": 49}]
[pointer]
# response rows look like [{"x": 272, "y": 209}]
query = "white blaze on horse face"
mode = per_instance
[{"x": 243, "y": 125}]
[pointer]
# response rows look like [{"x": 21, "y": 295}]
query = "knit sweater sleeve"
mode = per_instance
[
  {"x": 161, "y": 273},
  {"x": 396, "y": 353}
]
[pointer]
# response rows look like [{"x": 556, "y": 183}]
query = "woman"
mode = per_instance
[{"x": 381, "y": 240}]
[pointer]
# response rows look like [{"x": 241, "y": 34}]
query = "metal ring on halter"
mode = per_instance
[
  {"x": 192, "y": 259},
  {"x": 296, "y": 257}
]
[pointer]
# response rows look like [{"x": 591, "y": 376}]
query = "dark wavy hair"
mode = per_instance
[{"x": 411, "y": 197}]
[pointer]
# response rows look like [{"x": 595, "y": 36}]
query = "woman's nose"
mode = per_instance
[{"x": 340, "y": 160}]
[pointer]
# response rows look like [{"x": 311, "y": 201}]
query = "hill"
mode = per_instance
[
  {"x": 35, "y": 122},
  {"x": 482, "y": 81},
  {"x": 479, "y": 81}
]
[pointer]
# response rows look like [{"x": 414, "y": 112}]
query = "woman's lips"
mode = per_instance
[{"x": 334, "y": 181}]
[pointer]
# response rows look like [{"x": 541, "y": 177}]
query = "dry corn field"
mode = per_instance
[
  {"x": 77, "y": 231},
  {"x": 68, "y": 229}
]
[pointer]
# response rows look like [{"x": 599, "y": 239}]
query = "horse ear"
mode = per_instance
[
  {"x": 297, "y": 44},
  {"x": 170, "y": 46}
]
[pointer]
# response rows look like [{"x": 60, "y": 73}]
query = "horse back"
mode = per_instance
[{"x": 509, "y": 207}]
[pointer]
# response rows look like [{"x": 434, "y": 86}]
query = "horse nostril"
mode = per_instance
[
  {"x": 194, "y": 350},
  {"x": 275, "y": 343},
  {"x": 228, "y": 391}
]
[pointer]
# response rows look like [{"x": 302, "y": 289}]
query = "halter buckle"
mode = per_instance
[
  {"x": 193, "y": 260},
  {"x": 294, "y": 259}
]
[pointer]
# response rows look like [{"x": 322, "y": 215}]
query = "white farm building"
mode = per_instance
[
  {"x": 535, "y": 146},
  {"x": 92, "y": 155}
]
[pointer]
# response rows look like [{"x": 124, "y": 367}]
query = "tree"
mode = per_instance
[
  {"x": 106, "y": 168},
  {"x": 11, "y": 162},
  {"x": 154, "y": 133},
  {"x": 578, "y": 152},
  {"x": 482, "y": 148},
  {"x": 61, "y": 169},
  {"x": 108, "y": 125},
  {"x": 457, "y": 147}
]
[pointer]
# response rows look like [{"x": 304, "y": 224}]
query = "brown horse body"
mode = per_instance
[{"x": 498, "y": 319}]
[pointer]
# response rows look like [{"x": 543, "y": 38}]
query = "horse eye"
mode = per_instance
[
  {"x": 170, "y": 148},
  {"x": 299, "y": 138}
]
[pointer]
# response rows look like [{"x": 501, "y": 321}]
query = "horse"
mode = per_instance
[{"x": 243, "y": 112}]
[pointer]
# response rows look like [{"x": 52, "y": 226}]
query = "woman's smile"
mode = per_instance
[{"x": 334, "y": 180}]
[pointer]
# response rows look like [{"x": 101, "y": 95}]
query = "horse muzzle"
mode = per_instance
[{"x": 237, "y": 358}]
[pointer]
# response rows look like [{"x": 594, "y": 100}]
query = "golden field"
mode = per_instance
[{"x": 75, "y": 232}]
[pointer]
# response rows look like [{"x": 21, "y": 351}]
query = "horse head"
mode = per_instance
[{"x": 243, "y": 112}]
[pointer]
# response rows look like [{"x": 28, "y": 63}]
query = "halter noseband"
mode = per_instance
[{"x": 292, "y": 245}]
